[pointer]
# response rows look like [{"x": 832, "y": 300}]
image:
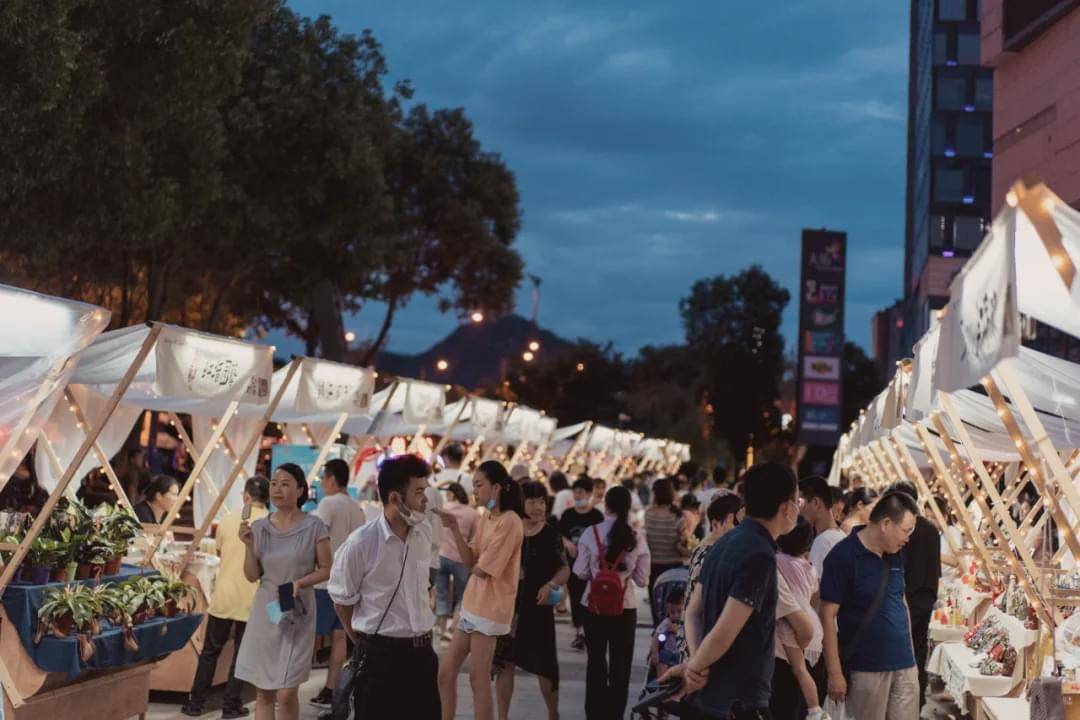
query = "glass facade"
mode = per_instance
[{"x": 950, "y": 146}]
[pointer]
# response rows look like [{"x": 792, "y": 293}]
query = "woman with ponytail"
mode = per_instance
[
  {"x": 487, "y": 610},
  {"x": 604, "y": 550}
]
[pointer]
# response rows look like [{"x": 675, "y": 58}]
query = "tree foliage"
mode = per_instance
[
  {"x": 862, "y": 382},
  {"x": 223, "y": 163}
]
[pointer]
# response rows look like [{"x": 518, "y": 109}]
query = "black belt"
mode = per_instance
[{"x": 416, "y": 641}]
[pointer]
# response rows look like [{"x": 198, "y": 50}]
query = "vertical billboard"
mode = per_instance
[{"x": 821, "y": 337}]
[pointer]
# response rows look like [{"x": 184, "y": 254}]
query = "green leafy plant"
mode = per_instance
[
  {"x": 144, "y": 596},
  {"x": 116, "y": 526},
  {"x": 95, "y": 550},
  {"x": 114, "y": 606},
  {"x": 177, "y": 592},
  {"x": 13, "y": 538},
  {"x": 67, "y": 607},
  {"x": 47, "y": 552}
]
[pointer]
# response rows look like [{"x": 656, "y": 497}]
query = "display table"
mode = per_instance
[
  {"x": 156, "y": 638},
  {"x": 1004, "y": 708},
  {"x": 947, "y": 633},
  {"x": 954, "y": 661}
]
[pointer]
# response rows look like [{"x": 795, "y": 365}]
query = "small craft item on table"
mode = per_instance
[{"x": 988, "y": 663}]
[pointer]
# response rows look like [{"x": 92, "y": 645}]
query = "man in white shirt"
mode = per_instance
[
  {"x": 453, "y": 455},
  {"x": 342, "y": 515},
  {"x": 817, "y": 509},
  {"x": 379, "y": 585}
]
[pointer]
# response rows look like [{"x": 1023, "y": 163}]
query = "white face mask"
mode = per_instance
[
  {"x": 412, "y": 519},
  {"x": 581, "y": 502}
]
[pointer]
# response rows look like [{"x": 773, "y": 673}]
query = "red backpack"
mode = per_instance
[{"x": 606, "y": 592}]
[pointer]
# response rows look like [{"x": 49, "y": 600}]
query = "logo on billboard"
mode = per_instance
[
  {"x": 821, "y": 293},
  {"x": 825, "y": 319},
  {"x": 821, "y": 418},
  {"x": 820, "y": 393},
  {"x": 821, "y": 343},
  {"x": 821, "y": 368},
  {"x": 829, "y": 258}
]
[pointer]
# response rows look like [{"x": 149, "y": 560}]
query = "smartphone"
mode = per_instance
[
  {"x": 286, "y": 599},
  {"x": 245, "y": 514},
  {"x": 657, "y": 695}
]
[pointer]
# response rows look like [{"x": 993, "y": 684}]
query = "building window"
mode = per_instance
[
  {"x": 970, "y": 137},
  {"x": 937, "y": 232},
  {"x": 967, "y": 232},
  {"x": 951, "y": 93},
  {"x": 941, "y": 47},
  {"x": 954, "y": 10},
  {"x": 967, "y": 48},
  {"x": 938, "y": 137},
  {"x": 948, "y": 185},
  {"x": 984, "y": 93}
]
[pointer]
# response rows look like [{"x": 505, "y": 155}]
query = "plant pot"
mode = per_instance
[
  {"x": 72, "y": 570},
  {"x": 113, "y": 566},
  {"x": 82, "y": 572},
  {"x": 39, "y": 575},
  {"x": 142, "y": 616},
  {"x": 59, "y": 574},
  {"x": 62, "y": 625},
  {"x": 170, "y": 609},
  {"x": 96, "y": 571}
]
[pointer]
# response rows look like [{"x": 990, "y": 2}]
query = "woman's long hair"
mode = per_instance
[
  {"x": 509, "y": 491},
  {"x": 621, "y": 537}
]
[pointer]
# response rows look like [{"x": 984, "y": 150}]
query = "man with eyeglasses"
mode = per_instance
[
  {"x": 342, "y": 515},
  {"x": 864, "y": 613}
]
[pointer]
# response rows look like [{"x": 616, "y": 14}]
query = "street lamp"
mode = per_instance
[
  {"x": 350, "y": 336},
  {"x": 442, "y": 365},
  {"x": 527, "y": 356},
  {"x": 581, "y": 367},
  {"x": 534, "y": 346},
  {"x": 477, "y": 317}
]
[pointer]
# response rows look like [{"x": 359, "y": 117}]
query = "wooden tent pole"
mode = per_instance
[
  {"x": 324, "y": 449},
  {"x": 445, "y": 439},
  {"x": 906, "y": 462}
]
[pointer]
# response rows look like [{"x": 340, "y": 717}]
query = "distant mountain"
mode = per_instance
[{"x": 477, "y": 354}]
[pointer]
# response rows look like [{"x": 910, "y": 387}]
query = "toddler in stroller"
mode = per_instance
[{"x": 667, "y": 600}]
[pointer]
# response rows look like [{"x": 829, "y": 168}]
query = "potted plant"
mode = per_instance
[
  {"x": 144, "y": 596},
  {"x": 119, "y": 527},
  {"x": 179, "y": 596},
  {"x": 45, "y": 553},
  {"x": 93, "y": 553},
  {"x": 114, "y": 607},
  {"x": 66, "y": 608},
  {"x": 13, "y": 538}
]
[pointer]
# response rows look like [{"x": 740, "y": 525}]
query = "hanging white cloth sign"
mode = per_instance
[
  {"x": 201, "y": 366},
  {"x": 326, "y": 387},
  {"x": 424, "y": 403},
  {"x": 982, "y": 324}
]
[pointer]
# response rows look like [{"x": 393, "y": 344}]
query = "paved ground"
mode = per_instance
[{"x": 528, "y": 703}]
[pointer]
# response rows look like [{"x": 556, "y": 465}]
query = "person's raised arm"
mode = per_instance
[
  {"x": 831, "y": 649},
  {"x": 468, "y": 558},
  {"x": 252, "y": 571}
]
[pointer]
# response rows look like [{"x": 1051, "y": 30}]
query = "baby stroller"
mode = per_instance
[{"x": 666, "y": 584}]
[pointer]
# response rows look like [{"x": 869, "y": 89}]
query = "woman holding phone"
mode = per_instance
[{"x": 287, "y": 553}]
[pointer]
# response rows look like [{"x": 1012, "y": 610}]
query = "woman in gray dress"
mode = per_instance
[{"x": 286, "y": 547}]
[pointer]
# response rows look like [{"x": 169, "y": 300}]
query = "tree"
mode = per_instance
[
  {"x": 733, "y": 325},
  {"x": 862, "y": 382}
]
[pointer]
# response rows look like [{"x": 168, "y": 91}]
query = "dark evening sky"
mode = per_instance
[{"x": 658, "y": 143}]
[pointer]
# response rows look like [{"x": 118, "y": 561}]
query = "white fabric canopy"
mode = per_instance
[{"x": 41, "y": 334}]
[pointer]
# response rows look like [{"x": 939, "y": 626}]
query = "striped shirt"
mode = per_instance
[{"x": 664, "y": 531}]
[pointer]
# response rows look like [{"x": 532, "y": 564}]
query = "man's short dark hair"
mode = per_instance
[
  {"x": 599, "y": 482},
  {"x": 815, "y": 486},
  {"x": 583, "y": 483},
  {"x": 663, "y": 491},
  {"x": 258, "y": 487},
  {"x": 339, "y": 469},
  {"x": 558, "y": 481},
  {"x": 395, "y": 474},
  {"x": 768, "y": 486},
  {"x": 454, "y": 452},
  {"x": 905, "y": 487},
  {"x": 894, "y": 505},
  {"x": 722, "y": 506},
  {"x": 838, "y": 495}
]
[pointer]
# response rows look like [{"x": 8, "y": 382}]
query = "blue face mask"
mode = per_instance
[
  {"x": 491, "y": 504},
  {"x": 273, "y": 611}
]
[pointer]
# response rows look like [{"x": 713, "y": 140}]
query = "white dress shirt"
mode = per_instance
[{"x": 366, "y": 571}]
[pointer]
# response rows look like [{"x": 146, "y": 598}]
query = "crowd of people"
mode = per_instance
[{"x": 767, "y": 595}]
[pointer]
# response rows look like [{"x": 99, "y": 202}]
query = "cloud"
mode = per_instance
[
  {"x": 706, "y": 216},
  {"x": 856, "y": 110}
]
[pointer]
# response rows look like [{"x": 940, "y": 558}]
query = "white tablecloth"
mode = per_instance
[
  {"x": 953, "y": 662},
  {"x": 1007, "y": 708},
  {"x": 947, "y": 633}
]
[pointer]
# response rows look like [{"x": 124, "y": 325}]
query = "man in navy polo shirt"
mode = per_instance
[
  {"x": 875, "y": 653},
  {"x": 731, "y": 618}
]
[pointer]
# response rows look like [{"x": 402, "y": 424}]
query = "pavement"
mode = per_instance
[{"x": 528, "y": 704}]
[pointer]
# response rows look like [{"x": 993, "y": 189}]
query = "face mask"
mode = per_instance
[
  {"x": 412, "y": 519},
  {"x": 582, "y": 502},
  {"x": 491, "y": 504},
  {"x": 273, "y": 611}
]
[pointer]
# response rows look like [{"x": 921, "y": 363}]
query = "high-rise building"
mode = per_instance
[
  {"x": 1034, "y": 48},
  {"x": 950, "y": 148},
  {"x": 887, "y": 337}
]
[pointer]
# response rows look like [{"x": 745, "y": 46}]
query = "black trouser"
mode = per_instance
[
  {"x": 787, "y": 702},
  {"x": 692, "y": 713},
  {"x": 655, "y": 571},
  {"x": 217, "y": 634},
  {"x": 609, "y": 640},
  {"x": 395, "y": 681},
  {"x": 577, "y": 611},
  {"x": 920, "y": 629}
]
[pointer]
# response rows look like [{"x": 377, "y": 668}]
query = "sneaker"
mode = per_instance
[
  {"x": 234, "y": 712},
  {"x": 324, "y": 699},
  {"x": 192, "y": 710},
  {"x": 579, "y": 643}
]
